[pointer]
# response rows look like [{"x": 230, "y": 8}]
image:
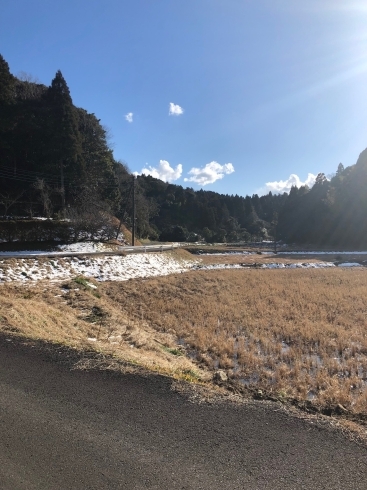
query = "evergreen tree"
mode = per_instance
[
  {"x": 97, "y": 158},
  {"x": 340, "y": 170},
  {"x": 6, "y": 103},
  {"x": 65, "y": 139},
  {"x": 7, "y": 83}
]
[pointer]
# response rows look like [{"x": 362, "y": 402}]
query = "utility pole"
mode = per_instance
[
  {"x": 62, "y": 188},
  {"x": 275, "y": 224},
  {"x": 123, "y": 209},
  {"x": 133, "y": 230}
]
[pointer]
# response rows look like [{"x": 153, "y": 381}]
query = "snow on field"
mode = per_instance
[
  {"x": 276, "y": 265},
  {"x": 298, "y": 265},
  {"x": 227, "y": 253},
  {"x": 86, "y": 247},
  {"x": 208, "y": 267},
  {"x": 81, "y": 247},
  {"x": 350, "y": 264},
  {"x": 109, "y": 268},
  {"x": 322, "y": 253},
  {"x": 119, "y": 268}
]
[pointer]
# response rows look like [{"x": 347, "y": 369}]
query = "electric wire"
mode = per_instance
[{"x": 53, "y": 180}]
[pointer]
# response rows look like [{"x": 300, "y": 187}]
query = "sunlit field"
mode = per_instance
[{"x": 299, "y": 334}]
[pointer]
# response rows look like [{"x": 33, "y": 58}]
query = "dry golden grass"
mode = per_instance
[
  {"x": 128, "y": 236},
  {"x": 299, "y": 334},
  {"x": 82, "y": 317},
  {"x": 293, "y": 334}
]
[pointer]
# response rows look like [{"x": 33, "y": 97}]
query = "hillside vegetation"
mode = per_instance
[{"x": 55, "y": 161}]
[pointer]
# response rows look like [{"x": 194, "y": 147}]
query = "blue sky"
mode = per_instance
[{"x": 234, "y": 96}]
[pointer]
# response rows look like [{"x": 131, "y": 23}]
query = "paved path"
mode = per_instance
[{"x": 62, "y": 429}]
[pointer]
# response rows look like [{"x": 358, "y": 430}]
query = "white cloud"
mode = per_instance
[
  {"x": 164, "y": 171},
  {"x": 280, "y": 186},
  {"x": 210, "y": 173},
  {"x": 129, "y": 117},
  {"x": 175, "y": 109}
]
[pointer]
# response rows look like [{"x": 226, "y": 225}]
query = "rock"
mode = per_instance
[
  {"x": 220, "y": 376},
  {"x": 259, "y": 395}
]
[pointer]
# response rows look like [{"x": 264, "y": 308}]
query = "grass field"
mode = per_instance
[
  {"x": 293, "y": 334},
  {"x": 299, "y": 334}
]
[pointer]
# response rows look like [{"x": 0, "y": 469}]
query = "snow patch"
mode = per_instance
[
  {"x": 349, "y": 264},
  {"x": 229, "y": 253},
  {"x": 275, "y": 265},
  {"x": 298, "y": 265},
  {"x": 322, "y": 253},
  {"x": 80, "y": 247},
  {"x": 104, "y": 268}
]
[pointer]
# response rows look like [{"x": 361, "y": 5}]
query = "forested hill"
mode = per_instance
[
  {"x": 55, "y": 161},
  {"x": 333, "y": 212}
]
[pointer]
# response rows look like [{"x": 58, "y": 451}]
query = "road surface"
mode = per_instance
[{"x": 69, "y": 430}]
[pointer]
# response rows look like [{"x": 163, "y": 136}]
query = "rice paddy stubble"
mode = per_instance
[{"x": 299, "y": 333}]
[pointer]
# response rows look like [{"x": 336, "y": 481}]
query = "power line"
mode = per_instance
[
  {"x": 26, "y": 175},
  {"x": 6, "y": 174},
  {"x": 18, "y": 170}
]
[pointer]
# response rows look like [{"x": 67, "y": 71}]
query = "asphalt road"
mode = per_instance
[{"x": 63, "y": 429}]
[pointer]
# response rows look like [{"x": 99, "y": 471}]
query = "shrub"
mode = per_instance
[{"x": 35, "y": 231}]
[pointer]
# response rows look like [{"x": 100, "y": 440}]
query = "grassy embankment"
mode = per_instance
[{"x": 80, "y": 313}]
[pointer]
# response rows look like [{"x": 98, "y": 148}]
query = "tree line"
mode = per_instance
[{"x": 55, "y": 161}]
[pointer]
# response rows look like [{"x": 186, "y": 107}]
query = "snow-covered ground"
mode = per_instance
[
  {"x": 228, "y": 253},
  {"x": 121, "y": 268},
  {"x": 322, "y": 253},
  {"x": 208, "y": 267},
  {"x": 118, "y": 268},
  {"x": 276, "y": 265},
  {"x": 86, "y": 247},
  {"x": 109, "y": 268},
  {"x": 349, "y": 264},
  {"x": 298, "y": 265},
  {"x": 282, "y": 253},
  {"x": 81, "y": 247}
]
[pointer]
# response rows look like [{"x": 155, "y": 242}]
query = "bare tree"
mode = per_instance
[
  {"x": 27, "y": 77},
  {"x": 30, "y": 87},
  {"x": 45, "y": 196},
  {"x": 29, "y": 208},
  {"x": 90, "y": 217},
  {"x": 8, "y": 200},
  {"x": 108, "y": 136}
]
